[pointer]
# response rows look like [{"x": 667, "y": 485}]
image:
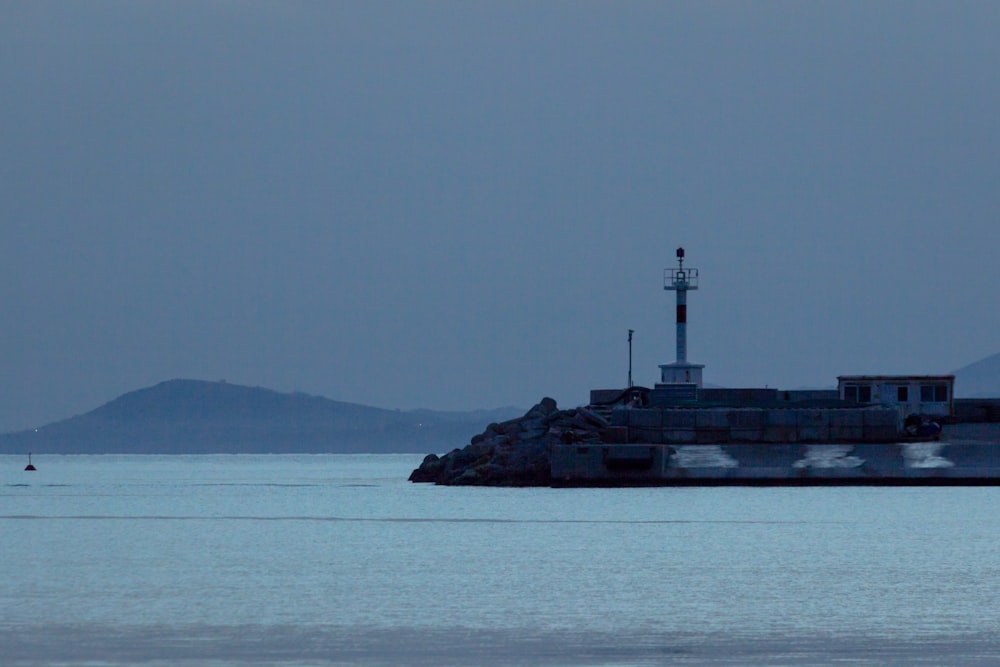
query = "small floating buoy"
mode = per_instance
[{"x": 29, "y": 466}]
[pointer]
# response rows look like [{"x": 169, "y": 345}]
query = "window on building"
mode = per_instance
[
  {"x": 858, "y": 393},
  {"x": 934, "y": 393},
  {"x": 902, "y": 394}
]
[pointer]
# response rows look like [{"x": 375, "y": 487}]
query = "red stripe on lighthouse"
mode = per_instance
[{"x": 682, "y": 314}]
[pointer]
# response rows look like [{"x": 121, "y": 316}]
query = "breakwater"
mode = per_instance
[
  {"x": 774, "y": 446},
  {"x": 798, "y": 464},
  {"x": 725, "y": 446}
]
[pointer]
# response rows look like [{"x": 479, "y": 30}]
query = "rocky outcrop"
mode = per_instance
[{"x": 515, "y": 452}]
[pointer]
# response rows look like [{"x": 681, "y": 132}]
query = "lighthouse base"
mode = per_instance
[{"x": 681, "y": 372}]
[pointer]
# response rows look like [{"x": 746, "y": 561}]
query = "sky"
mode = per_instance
[{"x": 459, "y": 205}]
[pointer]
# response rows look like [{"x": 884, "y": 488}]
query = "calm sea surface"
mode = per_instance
[{"x": 337, "y": 559}]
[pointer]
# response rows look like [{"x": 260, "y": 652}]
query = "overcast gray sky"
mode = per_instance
[{"x": 460, "y": 204}]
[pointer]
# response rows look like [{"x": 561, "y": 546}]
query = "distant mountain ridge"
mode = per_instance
[
  {"x": 980, "y": 379},
  {"x": 196, "y": 417}
]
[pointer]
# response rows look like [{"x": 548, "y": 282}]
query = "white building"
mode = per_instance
[{"x": 931, "y": 395}]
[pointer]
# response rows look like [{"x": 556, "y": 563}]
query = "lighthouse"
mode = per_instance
[{"x": 681, "y": 281}]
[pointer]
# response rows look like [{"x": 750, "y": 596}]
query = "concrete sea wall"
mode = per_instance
[
  {"x": 714, "y": 446},
  {"x": 777, "y": 464},
  {"x": 753, "y": 425},
  {"x": 775, "y": 447}
]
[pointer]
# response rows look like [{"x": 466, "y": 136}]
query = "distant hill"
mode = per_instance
[
  {"x": 980, "y": 379},
  {"x": 197, "y": 417}
]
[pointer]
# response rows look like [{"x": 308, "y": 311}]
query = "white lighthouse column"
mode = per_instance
[{"x": 681, "y": 372}]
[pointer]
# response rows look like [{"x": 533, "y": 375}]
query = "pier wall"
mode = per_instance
[
  {"x": 977, "y": 410},
  {"x": 753, "y": 425},
  {"x": 913, "y": 463},
  {"x": 777, "y": 445}
]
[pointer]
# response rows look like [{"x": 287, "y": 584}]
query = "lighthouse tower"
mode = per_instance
[{"x": 681, "y": 281}]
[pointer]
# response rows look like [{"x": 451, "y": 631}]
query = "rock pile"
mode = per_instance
[{"x": 515, "y": 452}]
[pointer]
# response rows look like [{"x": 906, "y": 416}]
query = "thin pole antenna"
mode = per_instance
[{"x": 630, "y": 332}]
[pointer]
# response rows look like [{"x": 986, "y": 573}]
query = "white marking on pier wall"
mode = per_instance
[
  {"x": 702, "y": 456},
  {"x": 925, "y": 455},
  {"x": 828, "y": 456}
]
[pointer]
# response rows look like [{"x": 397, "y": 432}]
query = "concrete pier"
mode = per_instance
[
  {"x": 799, "y": 464},
  {"x": 776, "y": 447}
]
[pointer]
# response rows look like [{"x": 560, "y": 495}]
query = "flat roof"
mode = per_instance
[{"x": 897, "y": 378}]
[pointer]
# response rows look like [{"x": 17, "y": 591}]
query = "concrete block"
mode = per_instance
[
  {"x": 841, "y": 433},
  {"x": 679, "y": 435},
  {"x": 802, "y": 395},
  {"x": 712, "y": 435},
  {"x": 628, "y": 453},
  {"x": 598, "y": 396},
  {"x": 679, "y": 418},
  {"x": 746, "y": 418},
  {"x": 812, "y": 418},
  {"x": 881, "y": 433},
  {"x": 814, "y": 434},
  {"x": 780, "y": 418},
  {"x": 632, "y": 463},
  {"x": 780, "y": 433},
  {"x": 738, "y": 396},
  {"x": 880, "y": 417},
  {"x": 576, "y": 462},
  {"x": 643, "y": 435},
  {"x": 737, "y": 434},
  {"x": 645, "y": 418},
  {"x": 615, "y": 434},
  {"x": 846, "y": 417},
  {"x": 711, "y": 419}
]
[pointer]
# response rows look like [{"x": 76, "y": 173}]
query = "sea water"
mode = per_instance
[{"x": 337, "y": 559}]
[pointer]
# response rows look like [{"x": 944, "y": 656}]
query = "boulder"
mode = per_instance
[{"x": 429, "y": 470}]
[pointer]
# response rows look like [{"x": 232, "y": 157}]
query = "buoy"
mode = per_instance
[{"x": 29, "y": 466}]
